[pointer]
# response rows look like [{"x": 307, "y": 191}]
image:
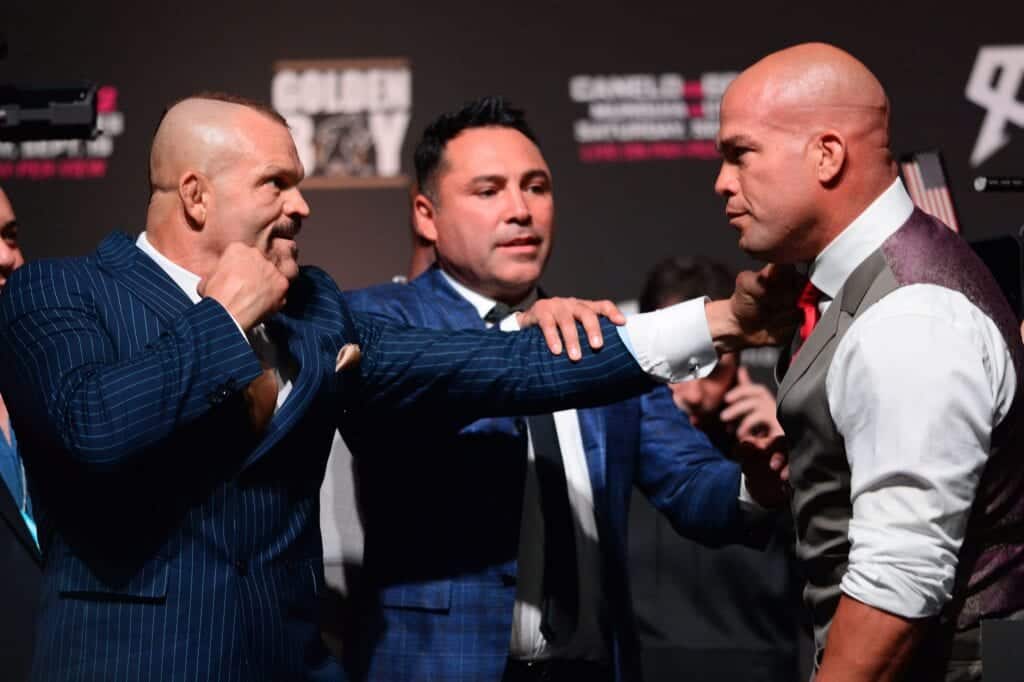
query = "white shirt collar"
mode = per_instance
[
  {"x": 481, "y": 303},
  {"x": 861, "y": 238},
  {"x": 188, "y": 281}
]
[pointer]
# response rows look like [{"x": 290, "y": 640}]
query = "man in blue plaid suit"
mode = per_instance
[
  {"x": 454, "y": 590},
  {"x": 175, "y": 397}
]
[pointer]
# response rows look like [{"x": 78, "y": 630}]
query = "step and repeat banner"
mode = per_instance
[{"x": 623, "y": 96}]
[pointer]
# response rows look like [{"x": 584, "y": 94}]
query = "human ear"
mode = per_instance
[
  {"x": 423, "y": 212},
  {"x": 830, "y": 148},
  {"x": 193, "y": 191}
]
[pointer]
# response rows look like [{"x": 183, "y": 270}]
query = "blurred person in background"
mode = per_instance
[
  {"x": 729, "y": 613},
  {"x": 20, "y": 561}
]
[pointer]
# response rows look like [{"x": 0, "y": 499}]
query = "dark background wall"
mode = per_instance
[{"x": 614, "y": 219}]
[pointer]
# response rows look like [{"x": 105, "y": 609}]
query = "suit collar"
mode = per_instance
[
  {"x": 186, "y": 280},
  {"x": 438, "y": 283},
  {"x": 451, "y": 306},
  {"x": 122, "y": 259}
]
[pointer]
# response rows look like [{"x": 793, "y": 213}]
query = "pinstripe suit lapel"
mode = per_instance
[
  {"x": 119, "y": 257},
  {"x": 305, "y": 351}
]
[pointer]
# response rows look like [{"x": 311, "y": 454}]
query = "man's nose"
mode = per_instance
[
  {"x": 518, "y": 208},
  {"x": 725, "y": 183},
  {"x": 8, "y": 257},
  {"x": 297, "y": 204}
]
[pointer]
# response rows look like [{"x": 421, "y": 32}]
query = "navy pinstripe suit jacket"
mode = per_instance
[
  {"x": 178, "y": 545},
  {"x": 441, "y": 512}
]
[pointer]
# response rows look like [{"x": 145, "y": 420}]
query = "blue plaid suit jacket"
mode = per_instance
[
  {"x": 441, "y": 509},
  {"x": 177, "y": 544}
]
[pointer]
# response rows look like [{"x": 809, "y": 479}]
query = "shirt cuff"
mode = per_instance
[
  {"x": 747, "y": 501},
  {"x": 510, "y": 324},
  {"x": 672, "y": 344}
]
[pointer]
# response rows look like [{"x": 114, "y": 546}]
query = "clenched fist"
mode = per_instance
[
  {"x": 247, "y": 284},
  {"x": 762, "y": 311}
]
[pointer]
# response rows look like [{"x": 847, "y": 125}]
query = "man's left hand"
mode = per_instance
[{"x": 557, "y": 318}]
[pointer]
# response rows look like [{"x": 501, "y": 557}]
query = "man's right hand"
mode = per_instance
[
  {"x": 762, "y": 310},
  {"x": 247, "y": 284}
]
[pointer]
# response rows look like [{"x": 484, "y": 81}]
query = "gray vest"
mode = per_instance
[{"x": 990, "y": 572}]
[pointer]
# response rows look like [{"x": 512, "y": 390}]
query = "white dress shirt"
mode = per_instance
[
  {"x": 671, "y": 344},
  {"x": 915, "y": 388},
  {"x": 527, "y": 641},
  {"x": 257, "y": 337}
]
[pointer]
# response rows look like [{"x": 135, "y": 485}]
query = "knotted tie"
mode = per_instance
[
  {"x": 498, "y": 313},
  {"x": 560, "y": 591}
]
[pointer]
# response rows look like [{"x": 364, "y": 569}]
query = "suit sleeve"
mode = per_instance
[
  {"x": 65, "y": 378},
  {"x": 480, "y": 373},
  {"x": 689, "y": 481}
]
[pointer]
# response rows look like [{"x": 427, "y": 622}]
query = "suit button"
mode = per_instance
[
  {"x": 219, "y": 394},
  {"x": 241, "y": 568},
  {"x": 520, "y": 425},
  {"x": 508, "y": 580}
]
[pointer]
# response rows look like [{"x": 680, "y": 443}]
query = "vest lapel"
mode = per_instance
[
  {"x": 809, "y": 352},
  {"x": 848, "y": 299}
]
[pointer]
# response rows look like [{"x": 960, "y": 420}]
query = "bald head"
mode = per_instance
[
  {"x": 204, "y": 134},
  {"x": 816, "y": 85}
]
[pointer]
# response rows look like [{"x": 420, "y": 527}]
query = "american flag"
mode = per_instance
[{"x": 924, "y": 174}]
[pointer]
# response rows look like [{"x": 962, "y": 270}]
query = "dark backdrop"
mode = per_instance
[{"x": 614, "y": 219}]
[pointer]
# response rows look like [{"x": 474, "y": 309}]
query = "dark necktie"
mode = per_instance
[
  {"x": 560, "y": 589},
  {"x": 560, "y": 596},
  {"x": 498, "y": 313}
]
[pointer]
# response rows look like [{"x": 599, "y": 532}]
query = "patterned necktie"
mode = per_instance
[
  {"x": 261, "y": 399},
  {"x": 261, "y": 393},
  {"x": 808, "y": 304},
  {"x": 560, "y": 582}
]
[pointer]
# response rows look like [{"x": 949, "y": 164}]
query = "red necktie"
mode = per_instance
[{"x": 808, "y": 304}]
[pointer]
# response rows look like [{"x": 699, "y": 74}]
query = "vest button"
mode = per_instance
[{"x": 241, "y": 568}]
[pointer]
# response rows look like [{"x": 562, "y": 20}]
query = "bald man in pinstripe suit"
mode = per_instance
[{"x": 175, "y": 396}]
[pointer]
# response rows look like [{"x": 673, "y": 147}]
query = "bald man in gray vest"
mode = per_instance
[{"x": 900, "y": 394}]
